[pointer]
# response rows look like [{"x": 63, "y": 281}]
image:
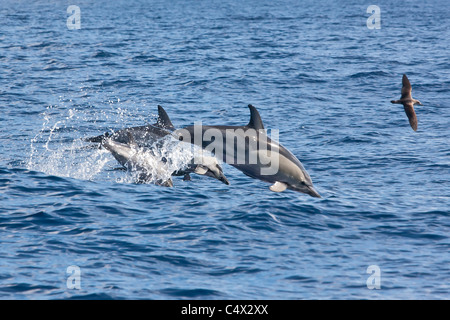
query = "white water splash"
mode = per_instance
[
  {"x": 54, "y": 151},
  {"x": 159, "y": 162},
  {"x": 58, "y": 149}
]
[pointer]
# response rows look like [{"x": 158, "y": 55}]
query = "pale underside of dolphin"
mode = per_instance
[
  {"x": 288, "y": 173},
  {"x": 408, "y": 102},
  {"x": 144, "y": 164}
]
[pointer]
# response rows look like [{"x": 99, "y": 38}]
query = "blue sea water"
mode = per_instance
[{"x": 314, "y": 70}]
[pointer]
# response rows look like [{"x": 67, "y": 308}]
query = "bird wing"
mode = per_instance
[
  {"x": 409, "y": 110},
  {"x": 406, "y": 89}
]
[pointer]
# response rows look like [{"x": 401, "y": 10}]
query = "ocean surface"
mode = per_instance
[{"x": 316, "y": 73}]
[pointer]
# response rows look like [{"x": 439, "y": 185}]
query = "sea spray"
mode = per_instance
[{"x": 55, "y": 151}]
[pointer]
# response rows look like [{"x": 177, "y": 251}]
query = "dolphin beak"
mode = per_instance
[
  {"x": 313, "y": 192},
  {"x": 223, "y": 179},
  {"x": 212, "y": 172},
  {"x": 168, "y": 183},
  {"x": 219, "y": 175}
]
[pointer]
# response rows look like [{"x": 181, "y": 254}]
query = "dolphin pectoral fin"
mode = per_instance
[
  {"x": 187, "y": 177},
  {"x": 278, "y": 186},
  {"x": 200, "y": 170}
]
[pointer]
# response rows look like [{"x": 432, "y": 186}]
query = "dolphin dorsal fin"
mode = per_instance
[
  {"x": 255, "y": 119},
  {"x": 163, "y": 119}
]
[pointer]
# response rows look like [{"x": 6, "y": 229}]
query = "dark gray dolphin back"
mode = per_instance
[{"x": 143, "y": 135}]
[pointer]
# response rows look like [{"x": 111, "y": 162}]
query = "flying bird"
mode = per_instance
[{"x": 408, "y": 102}]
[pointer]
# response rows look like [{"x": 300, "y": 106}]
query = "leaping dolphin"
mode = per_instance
[
  {"x": 255, "y": 154},
  {"x": 146, "y": 136},
  {"x": 408, "y": 102},
  {"x": 147, "y": 166}
]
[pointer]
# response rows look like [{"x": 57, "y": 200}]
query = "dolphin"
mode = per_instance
[
  {"x": 408, "y": 102},
  {"x": 135, "y": 159},
  {"x": 149, "y": 135},
  {"x": 250, "y": 150},
  {"x": 144, "y": 136}
]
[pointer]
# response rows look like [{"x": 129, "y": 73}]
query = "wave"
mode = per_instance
[
  {"x": 369, "y": 74},
  {"x": 191, "y": 293}
]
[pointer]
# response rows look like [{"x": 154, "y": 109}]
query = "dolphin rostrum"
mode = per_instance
[
  {"x": 250, "y": 150},
  {"x": 408, "y": 102}
]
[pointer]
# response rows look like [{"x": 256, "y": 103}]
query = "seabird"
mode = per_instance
[{"x": 408, "y": 102}]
